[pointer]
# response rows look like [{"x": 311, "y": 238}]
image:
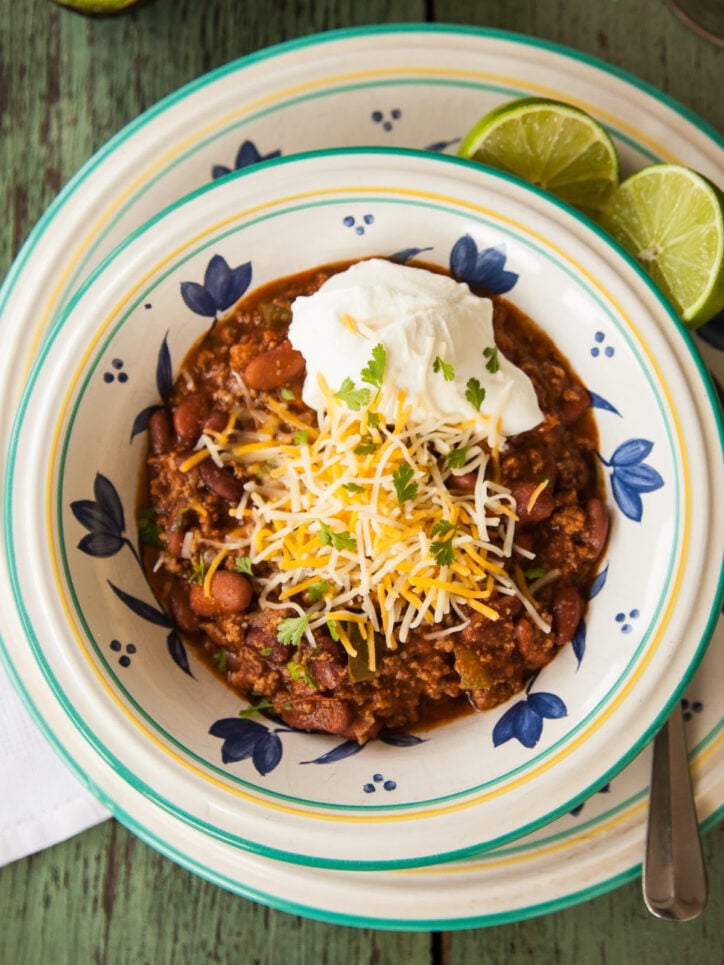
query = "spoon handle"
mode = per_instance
[{"x": 674, "y": 876}]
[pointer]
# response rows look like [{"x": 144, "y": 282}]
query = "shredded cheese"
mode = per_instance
[{"x": 328, "y": 509}]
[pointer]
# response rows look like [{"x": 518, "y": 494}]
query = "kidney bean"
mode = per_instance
[
  {"x": 189, "y": 415},
  {"x": 567, "y": 613},
  {"x": 216, "y": 420},
  {"x": 541, "y": 508},
  {"x": 221, "y": 480},
  {"x": 180, "y": 609},
  {"x": 328, "y": 714},
  {"x": 174, "y": 543},
  {"x": 575, "y": 401},
  {"x": 161, "y": 435},
  {"x": 597, "y": 523},
  {"x": 275, "y": 368},
  {"x": 465, "y": 482},
  {"x": 229, "y": 593},
  {"x": 532, "y": 644}
]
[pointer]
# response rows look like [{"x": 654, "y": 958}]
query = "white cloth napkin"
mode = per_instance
[{"x": 41, "y": 802}]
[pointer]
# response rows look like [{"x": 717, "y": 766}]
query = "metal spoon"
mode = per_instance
[{"x": 674, "y": 876}]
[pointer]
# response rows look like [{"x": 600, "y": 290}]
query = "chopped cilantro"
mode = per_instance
[
  {"x": 220, "y": 658},
  {"x": 457, "y": 457},
  {"x": 402, "y": 478},
  {"x": 442, "y": 527},
  {"x": 353, "y": 398},
  {"x": 534, "y": 573},
  {"x": 149, "y": 531},
  {"x": 301, "y": 437},
  {"x": 287, "y": 394},
  {"x": 474, "y": 393},
  {"x": 263, "y": 704},
  {"x": 339, "y": 541},
  {"x": 374, "y": 371},
  {"x": 242, "y": 564},
  {"x": 316, "y": 591},
  {"x": 266, "y": 651},
  {"x": 291, "y": 630},
  {"x": 299, "y": 672},
  {"x": 373, "y": 419},
  {"x": 443, "y": 552},
  {"x": 448, "y": 371},
  {"x": 352, "y": 487},
  {"x": 198, "y": 571},
  {"x": 491, "y": 354},
  {"x": 365, "y": 446},
  {"x": 332, "y": 627}
]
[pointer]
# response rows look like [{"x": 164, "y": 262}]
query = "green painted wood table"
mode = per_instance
[{"x": 67, "y": 83}]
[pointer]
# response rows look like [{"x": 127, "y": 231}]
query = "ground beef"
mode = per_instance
[{"x": 317, "y": 687}]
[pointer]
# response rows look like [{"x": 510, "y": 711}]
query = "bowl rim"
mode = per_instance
[{"x": 441, "y": 162}]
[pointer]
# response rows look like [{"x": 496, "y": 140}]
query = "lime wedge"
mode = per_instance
[
  {"x": 671, "y": 220},
  {"x": 97, "y": 6},
  {"x": 553, "y": 145}
]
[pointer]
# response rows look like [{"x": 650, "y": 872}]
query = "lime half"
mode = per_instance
[
  {"x": 553, "y": 145},
  {"x": 671, "y": 220}
]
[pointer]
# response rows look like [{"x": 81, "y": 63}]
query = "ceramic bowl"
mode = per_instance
[{"x": 133, "y": 700}]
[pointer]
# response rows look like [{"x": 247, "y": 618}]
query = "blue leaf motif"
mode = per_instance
[
  {"x": 483, "y": 269},
  {"x": 198, "y": 299},
  {"x": 109, "y": 501},
  {"x": 627, "y": 499},
  {"x": 243, "y": 739},
  {"x": 338, "y": 753},
  {"x": 547, "y": 705},
  {"x": 631, "y": 452},
  {"x": 140, "y": 423},
  {"x": 598, "y": 582},
  {"x": 103, "y": 518},
  {"x": 248, "y": 154},
  {"x": 598, "y": 402},
  {"x": 267, "y": 753},
  {"x": 164, "y": 370},
  {"x": 524, "y": 720},
  {"x": 141, "y": 608},
  {"x": 177, "y": 652},
  {"x": 579, "y": 641},
  {"x": 402, "y": 740},
  {"x": 219, "y": 171},
  {"x": 631, "y": 476},
  {"x": 407, "y": 254},
  {"x": 223, "y": 287},
  {"x": 640, "y": 477},
  {"x": 101, "y": 545},
  {"x": 439, "y": 146}
]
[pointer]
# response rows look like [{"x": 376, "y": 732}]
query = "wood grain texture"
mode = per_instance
[{"x": 67, "y": 84}]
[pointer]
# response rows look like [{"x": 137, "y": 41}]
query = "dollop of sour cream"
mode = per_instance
[{"x": 438, "y": 341}]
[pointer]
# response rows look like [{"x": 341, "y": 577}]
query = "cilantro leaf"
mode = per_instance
[
  {"x": 242, "y": 564},
  {"x": 457, "y": 457},
  {"x": 299, "y": 672},
  {"x": 148, "y": 529},
  {"x": 353, "y": 398},
  {"x": 291, "y": 630},
  {"x": 373, "y": 419},
  {"x": 442, "y": 527},
  {"x": 365, "y": 446},
  {"x": 316, "y": 591},
  {"x": 374, "y": 371},
  {"x": 301, "y": 437},
  {"x": 491, "y": 354},
  {"x": 220, "y": 658},
  {"x": 474, "y": 393},
  {"x": 402, "y": 478},
  {"x": 339, "y": 541},
  {"x": 263, "y": 704},
  {"x": 198, "y": 571},
  {"x": 332, "y": 627},
  {"x": 448, "y": 371},
  {"x": 534, "y": 573},
  {"x": 352, "y": 487},
  {"x": 287, "y": 394},
  {"x": 443, "y": 552}
]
